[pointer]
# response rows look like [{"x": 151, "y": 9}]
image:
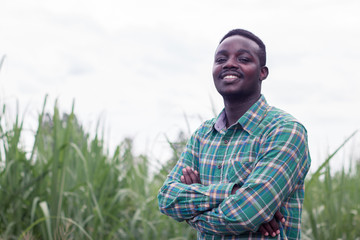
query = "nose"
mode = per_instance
[{"x": 231, "y": 63}]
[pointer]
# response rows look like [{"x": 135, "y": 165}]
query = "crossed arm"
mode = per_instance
[
  {"x": 226, "y": 208},
  {"x": 191, "y": 176}
]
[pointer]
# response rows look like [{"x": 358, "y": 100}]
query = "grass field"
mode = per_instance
[{"x": 69, "y": 186}]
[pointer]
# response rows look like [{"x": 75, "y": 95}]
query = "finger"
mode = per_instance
[
  {"x": 269, "y": 229},
  {"x": 275, "y": 226},
  {"x": 197, "y": 177},
  {"x": 263, "y": 231},
  {"x": 182, "y": 179},
  {"x": 279, "y": 216},
  {"x": 186, "y": 176},
  {"x": 193, "y": 176}
]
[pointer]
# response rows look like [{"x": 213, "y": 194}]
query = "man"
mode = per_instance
[{"x": 242, "y": 174}]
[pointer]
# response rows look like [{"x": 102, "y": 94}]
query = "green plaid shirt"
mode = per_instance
[{"x": 265, "y": 153}]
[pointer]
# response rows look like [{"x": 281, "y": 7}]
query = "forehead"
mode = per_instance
[{"x": 237, "y": 43}]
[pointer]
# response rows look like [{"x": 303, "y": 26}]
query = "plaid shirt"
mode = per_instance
[{"x": 265, "y": 153}]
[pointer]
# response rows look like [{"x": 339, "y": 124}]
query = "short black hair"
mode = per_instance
[{"x": 251, "y": 36}]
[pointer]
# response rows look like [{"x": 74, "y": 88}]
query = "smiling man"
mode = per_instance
[{"x": 242, "y": 173}]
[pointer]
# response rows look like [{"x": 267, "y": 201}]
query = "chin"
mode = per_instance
[
  {"x": 231, "y": 94},
  {"x": 242, "y": 96}
]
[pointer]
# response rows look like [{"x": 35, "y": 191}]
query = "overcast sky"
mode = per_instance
[{"x": 141, "y": 66}]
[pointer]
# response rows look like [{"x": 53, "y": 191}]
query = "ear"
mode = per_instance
[{"x": 264, "y": 72}]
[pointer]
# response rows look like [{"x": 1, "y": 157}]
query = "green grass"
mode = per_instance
[
  {"x": 69, "y": 186},
  {"x": 332, "y": 201}
]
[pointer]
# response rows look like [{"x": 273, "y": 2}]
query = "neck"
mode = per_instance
[{"x": 235, "y": 109}]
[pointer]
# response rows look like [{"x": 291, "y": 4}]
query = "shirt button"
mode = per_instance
[
  {"x": 226, "y": 141},
  {"x": 219, "y": 166}
]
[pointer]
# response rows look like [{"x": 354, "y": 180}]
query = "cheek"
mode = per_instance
[{"x": 253, "y": 72}]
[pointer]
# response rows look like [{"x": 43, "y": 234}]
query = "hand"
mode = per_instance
[
  {"x": 272, "y": 227},
  {"x": 190, "y": 176}
]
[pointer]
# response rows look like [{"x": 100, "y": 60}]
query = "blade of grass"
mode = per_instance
[
  {"x": 317, "y": 173},
  {"x": 45, "y": 209},
  {"x": 40, "y": 124}
]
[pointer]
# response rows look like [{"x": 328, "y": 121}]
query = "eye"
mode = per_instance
[
  {"x": 244, "y": 59},
  {"x": 220, "y": 59}
]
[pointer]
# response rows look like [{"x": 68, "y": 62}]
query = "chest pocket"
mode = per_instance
[
  {"x": 243, "y": 160},
  {"x": 239, "y": 170}
]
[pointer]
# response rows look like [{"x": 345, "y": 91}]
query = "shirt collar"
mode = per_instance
[{"x": 249, "y": 121}]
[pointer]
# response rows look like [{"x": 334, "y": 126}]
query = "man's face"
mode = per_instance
[{"x": 236, "y": 71}]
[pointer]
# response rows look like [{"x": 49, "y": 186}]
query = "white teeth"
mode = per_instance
[{"x": 230, "y": 77}]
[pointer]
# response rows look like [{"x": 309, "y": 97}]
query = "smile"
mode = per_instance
[{"x": 230, "y": 77}]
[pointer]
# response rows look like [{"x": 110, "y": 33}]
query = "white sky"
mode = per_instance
[{"x": 140, "y": 66}]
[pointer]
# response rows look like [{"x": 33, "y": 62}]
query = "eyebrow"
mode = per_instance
[{"x": 224, "y": 52}]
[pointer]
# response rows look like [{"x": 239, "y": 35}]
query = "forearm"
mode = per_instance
[
  {"x": 181, "y": 201},
  {"x": 236, "y": 215}
]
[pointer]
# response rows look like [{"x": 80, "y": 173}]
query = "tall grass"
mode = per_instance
[
  {"x": 332, "y": 201},
  {"x": 69, "y": 186}
]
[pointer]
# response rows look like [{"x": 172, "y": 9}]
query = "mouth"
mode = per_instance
[{"x": 231, "y": 76}]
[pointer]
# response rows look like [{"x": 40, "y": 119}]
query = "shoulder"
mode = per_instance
[
  {"x": 276, "y": 116},
  {"x": 276, "y": 120},
  {"x": 201, "y": 133},
  {"x": 205, "y": 128}
]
